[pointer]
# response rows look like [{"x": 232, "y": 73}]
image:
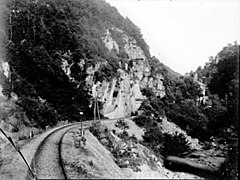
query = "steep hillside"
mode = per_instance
[
  {"x": 80, "y": 59},
  {"x": 108, "y": 155},
  {"x": 61, "y": 52}
]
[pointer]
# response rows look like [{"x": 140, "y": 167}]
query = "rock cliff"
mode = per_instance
[
  {"x": 4, "y": 76},
  {"x": 121, "y": 96}
]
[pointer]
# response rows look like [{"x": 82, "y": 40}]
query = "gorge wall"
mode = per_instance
[
  {"x": 4, "y": 68},
  {"x": 121, "y": 96},
  {"x": 69, "y": 50}
]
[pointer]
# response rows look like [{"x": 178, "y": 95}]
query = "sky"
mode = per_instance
[{"x": 183, "y": 34}]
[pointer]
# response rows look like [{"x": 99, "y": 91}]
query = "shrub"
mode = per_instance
[
  {"x": 121, "y": 124},
  {"x": 40, "y": 114},
  {"x": 123, "y": 156},
  {"x": 95, "y": 129},
  {"x": 133, "y": 138},
  {"x": 153, "y": 138},
  {"x": 153, "y": 106},
  {"x": 124, "y": 135},
  {"x": 143, "y": 121},
  {"x": 190, "y": 118},
  {"x": 153, "y": 134},
  {"x": 175, "y": 145},
  {"x": 229, "y": 167}
]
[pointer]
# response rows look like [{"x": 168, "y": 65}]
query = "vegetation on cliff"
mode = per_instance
[
  {"x": 217, "y": 116},
  {"x": 42, "y": 33},
  {"x": 181, "y": 104},
  {"x": 221, "y": 74}
]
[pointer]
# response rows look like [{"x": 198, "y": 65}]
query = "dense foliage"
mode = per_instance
[
  {"x": 122, "y": 150},
  {"x": 44, "y": 33},
  {"x": 218, "y": 116},
  {"x": 229, "y": 168},
  {"x": 225, "y": 81},
  {"x": 39, "y": 114},
  {"x": 221, "y": 74},
  {"x": 121, "y": 124},
  {"x": 163, "y": 143},
  {"x": 179, "y": 104},
  {"x": 175, "y": 145}
]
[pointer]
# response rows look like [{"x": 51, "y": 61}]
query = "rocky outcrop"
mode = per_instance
[
  {"x": 4, "y": 76},
  {"x": 128, "y": 97},
  {"x": 121, "y": 96},
  {"x": 110, "y": 43},
  {"x": 132, "y": 49}
]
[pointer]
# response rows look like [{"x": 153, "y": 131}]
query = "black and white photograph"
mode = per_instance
[{"x": 119, "y": 89}]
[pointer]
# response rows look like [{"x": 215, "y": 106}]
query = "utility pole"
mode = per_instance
[
  {"x": 11, "y": 82},
  {"x": 82, "y": 139},
  {"x": 81, "y": 115},
  {"x": 98, "y": 111},
  {"x": 94, "y": 110},
  {"x": 97, "y": 107}
]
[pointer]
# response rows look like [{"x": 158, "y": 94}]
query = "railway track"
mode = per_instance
[{"x": 47, "y": 162}]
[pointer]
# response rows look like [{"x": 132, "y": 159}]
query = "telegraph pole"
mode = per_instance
[
  {"x": 98, "y": 113},
  {"x": 81, "y": 115},
  {"x": 94, "y": 110},
  {"x": 98, "y": 110},
  {"x": 11, "y": 81}
]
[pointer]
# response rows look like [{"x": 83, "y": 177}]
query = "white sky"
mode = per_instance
[{"x": 183, "y": 34}]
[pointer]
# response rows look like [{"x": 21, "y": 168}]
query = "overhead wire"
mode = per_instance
[{"x": 18, "y": 150}]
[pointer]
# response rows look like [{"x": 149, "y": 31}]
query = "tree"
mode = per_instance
[
  {"x": 227, "y": 72},
  {"x": 216, "y": 115},
  {"x": 225, "y": 81}
]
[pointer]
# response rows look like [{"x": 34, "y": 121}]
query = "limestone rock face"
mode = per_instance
[
  {"x": 128, "y": 97},
  {"x": 132, "y": 49},
  {"x": 121, "y": 96},
  {"x": 110, "y": 43},
  {"x": 4, "y": 76}
]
